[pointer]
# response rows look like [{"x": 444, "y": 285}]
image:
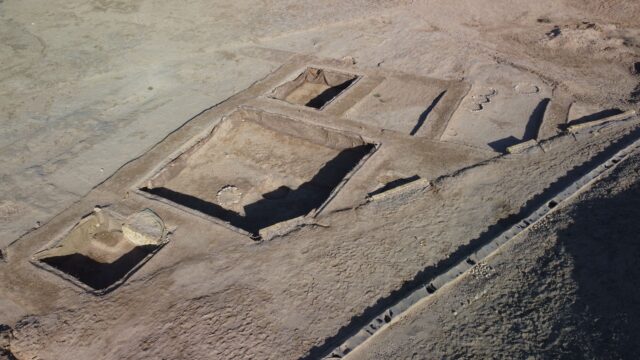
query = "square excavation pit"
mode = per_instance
[
  {"x": 256, "y": 169},
  {"x": 104, "y": 249},
  {"x": 314, "y": 88}
]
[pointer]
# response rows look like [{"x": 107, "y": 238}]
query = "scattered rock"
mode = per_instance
[
  {"x": 481, "y": 270},
  {"x": 555, "y": 32}
]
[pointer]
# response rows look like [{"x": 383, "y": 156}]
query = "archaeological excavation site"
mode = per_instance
[{"x": 320, "y": 179}]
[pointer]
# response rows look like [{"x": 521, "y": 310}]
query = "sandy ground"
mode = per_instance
[
  {"x": 87, "y": 87},
  {"x": 562, "y": 290}
]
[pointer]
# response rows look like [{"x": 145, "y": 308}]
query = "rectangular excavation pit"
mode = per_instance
[
  {"x": 314, "y": 88},
  {"x": 257, "y": 169},
  {"x": 104, "y": 248}
]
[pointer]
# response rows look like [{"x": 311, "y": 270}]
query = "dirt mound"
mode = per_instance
[
  {"x": 605, "y": 41},
  {"x": 622, "y": 11}
]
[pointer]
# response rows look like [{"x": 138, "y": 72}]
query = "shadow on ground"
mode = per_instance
[
  {"x": 423, "y": 277},
  {"x": 604, "y": 244},
  {"x": 531, "y": 130},
  {"x": 280, "y": 204},
  {"x": 96, "y": 274}
]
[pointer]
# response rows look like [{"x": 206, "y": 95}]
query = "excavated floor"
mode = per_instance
[
  {"x": 96, "y": 253},
  {"x": 255, "y": 170},
  {"x": 389, "y": 182},
  {"x": 315, "y": 87}
]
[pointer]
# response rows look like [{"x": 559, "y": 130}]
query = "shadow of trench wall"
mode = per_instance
[{"x": 280, "y": 204}]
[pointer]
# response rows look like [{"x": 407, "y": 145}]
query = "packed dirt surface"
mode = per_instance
[
  {"x": 562, "y": 290},
  {"x": 306, "y": 166}
]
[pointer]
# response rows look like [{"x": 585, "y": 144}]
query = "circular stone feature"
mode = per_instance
[
  {"x": 229, "y": 195},
  {"x": 143, "y": 228},
  {"x": 487, "y": 92}
]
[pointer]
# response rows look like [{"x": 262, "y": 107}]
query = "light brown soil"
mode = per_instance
[{"x": 99, "y": 97}]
